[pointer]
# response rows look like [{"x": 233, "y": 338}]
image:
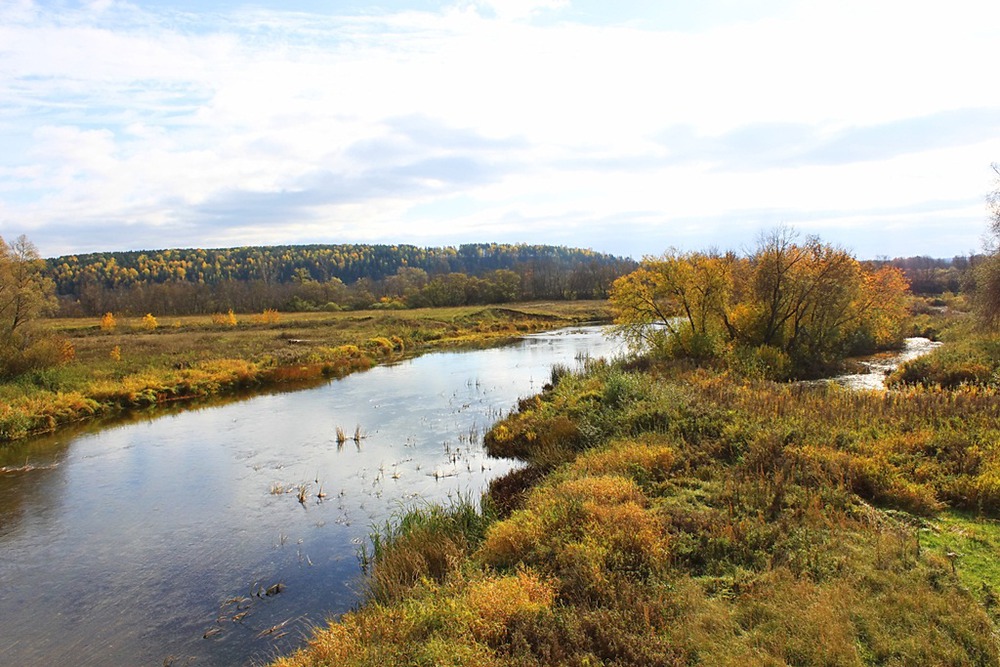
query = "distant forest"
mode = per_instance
[
  {"x": 327, "y": 277},
  {"x": 356, "y": 276},
  {"x": 928, "y": 275}
]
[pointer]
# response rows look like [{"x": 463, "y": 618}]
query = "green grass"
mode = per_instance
[{"x": 974, "y": 544}]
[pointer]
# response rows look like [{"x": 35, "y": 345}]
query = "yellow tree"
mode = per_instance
[
  {"x": 882, "y": 305},
  {"x": 25, "y": 295},
  {"x": 675, "y": 299}
]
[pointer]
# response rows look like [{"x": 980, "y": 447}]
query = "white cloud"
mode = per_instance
[
  {"x": 519, "y": 9},
  {"x": 119, "y": 114}
]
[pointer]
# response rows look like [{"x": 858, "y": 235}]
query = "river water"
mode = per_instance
[
  {"x": 878, "y": 366},
  {"x": 158, "y": 541}
]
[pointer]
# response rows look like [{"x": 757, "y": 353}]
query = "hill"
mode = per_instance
[{"x": 197, "y": 280}]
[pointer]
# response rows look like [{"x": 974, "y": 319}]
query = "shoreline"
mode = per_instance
[{"x": 266, "y": 357}]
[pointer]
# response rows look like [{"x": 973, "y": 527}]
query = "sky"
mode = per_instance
[{"x": 627, "y": 127}]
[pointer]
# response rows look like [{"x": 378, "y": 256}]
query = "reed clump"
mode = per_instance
[{"x": 422, "y": 543}]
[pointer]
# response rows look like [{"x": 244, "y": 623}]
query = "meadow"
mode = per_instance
[
  {"x": 110, "y": 365},
  {"x": 676, "y": 514}
]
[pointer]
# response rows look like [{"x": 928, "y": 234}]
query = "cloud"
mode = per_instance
[
  {"x": 314, "y": 191},
  {"x": 783, "y": 145},
  {"x": 946, "y": 129},
  {"x": 519, "y": 9},
  {"x": 239, "y": 125}
]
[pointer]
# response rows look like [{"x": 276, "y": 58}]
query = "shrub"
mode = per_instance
[
  {"x": 225, "y": 319},
  {"x": 381, "y": 346},
  {"x": 586, "y": 531},
  {"x": 643, "y": 462},
  {"x": 41, "y": 353}
]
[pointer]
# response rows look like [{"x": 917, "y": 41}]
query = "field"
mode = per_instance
[{"x": 141, "y": 362}]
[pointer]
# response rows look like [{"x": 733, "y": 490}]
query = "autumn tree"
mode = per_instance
[
  {"x": 25, "y": 295},
  {"x": 985, "y": 279},
  {"x": 810, "y": 302},
  {"x": 675, "y": 301}
]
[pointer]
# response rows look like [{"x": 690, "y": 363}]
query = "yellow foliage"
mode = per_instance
[
  {"x": 509, "y": 542},
  {"x": 588, "y": 492},
  {"x": 807, "y": 299},
  {"x": 380, "y": 345},
  {"x": 440, "y": 625},
  {"x": 108, "y": 322},
  {"x": 149, "y": 322},
  {"x": 495, "y": 601},
  {"x": 584, "y": 528},
  {"x": 632, "y": 459},
  {"x": 225, "y": 319}
]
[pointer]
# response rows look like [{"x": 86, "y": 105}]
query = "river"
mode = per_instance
[
  {"x": 877, "y": 367},
  {"x": 179, "y": 538}
]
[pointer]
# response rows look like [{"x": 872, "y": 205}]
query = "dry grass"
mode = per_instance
[{"x": 133, "y": 365}]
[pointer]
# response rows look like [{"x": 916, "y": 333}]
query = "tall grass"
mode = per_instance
[{"x": 426, "y": 542}]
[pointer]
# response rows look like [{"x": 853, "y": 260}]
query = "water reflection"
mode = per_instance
[{"x": 156, "y": 541}]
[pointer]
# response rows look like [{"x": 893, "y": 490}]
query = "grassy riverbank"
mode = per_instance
[
  {"x": 672, "y": 515},
  {"x": 135, "y": 364}
]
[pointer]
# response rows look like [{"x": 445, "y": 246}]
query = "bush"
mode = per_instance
[{"x": 43, "y": 353}]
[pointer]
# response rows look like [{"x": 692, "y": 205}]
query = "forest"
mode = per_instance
[{"x": 327, "y": 277}]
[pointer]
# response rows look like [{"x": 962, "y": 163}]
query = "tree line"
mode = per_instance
[
  {"x": 935, "y": 276},
  {"x": 194, "y": 281}
]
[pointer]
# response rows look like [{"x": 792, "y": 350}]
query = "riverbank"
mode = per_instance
[
  {"x": 140, "y": 363},
  {"x": 674, "y": 515}
]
